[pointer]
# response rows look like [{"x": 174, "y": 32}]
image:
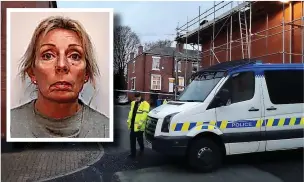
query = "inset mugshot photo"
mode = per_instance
[{"x": 59, "y": 70}]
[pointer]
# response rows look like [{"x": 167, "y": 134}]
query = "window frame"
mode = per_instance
[
  {"x": 154, "y": 58},
  {"x": 179, "y": 77},
  {"x": 160, "y": 81},
  {"x": 213, "y": 103}
]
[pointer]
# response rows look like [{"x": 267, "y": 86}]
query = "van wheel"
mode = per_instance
[{"x": 204, "y": 155}]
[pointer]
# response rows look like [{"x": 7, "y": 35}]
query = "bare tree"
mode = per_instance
[
  {"x": 125, "y": 42},
  {"x": 159, "y": 43}
]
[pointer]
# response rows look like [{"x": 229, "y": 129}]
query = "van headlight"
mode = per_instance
[{"x": 166, "y": 123}]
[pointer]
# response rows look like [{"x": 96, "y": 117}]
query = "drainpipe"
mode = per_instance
[
  {"x": 144, "y": 55},
  {"x": 302, "y": 34},
  {"x": 173, "y": 67},
  {"x": 283, "y": 35}
]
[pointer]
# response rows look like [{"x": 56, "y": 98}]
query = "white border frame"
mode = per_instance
[{"x": 8, "y": 69}]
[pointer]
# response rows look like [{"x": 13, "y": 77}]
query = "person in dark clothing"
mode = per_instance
[{"x": 136, "y": 123}]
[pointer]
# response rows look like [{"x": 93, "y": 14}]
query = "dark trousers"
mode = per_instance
[{"x": 140, "y": 139}]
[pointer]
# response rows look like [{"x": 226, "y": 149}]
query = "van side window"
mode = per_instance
[
  {"x": 241, "y": 86},
  {"x": 285, "y": 86}
]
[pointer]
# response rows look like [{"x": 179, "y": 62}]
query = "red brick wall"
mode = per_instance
[
  {"x": 271, "y": 45},
  {"x": 166, "y": 73},
  {"x": 4, "y": 5},
  {"x": 143, "y": 71},
  {"x": 139, "y": 61},
  {"x": 186, "y": 67}
]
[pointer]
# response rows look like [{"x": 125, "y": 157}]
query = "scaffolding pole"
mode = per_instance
[
  {"x": 283, "y": 34},
  {"x": 186, "y": 66},
  {"x": 250, "y": 23},
  {"x": 230, "y": 33},
  {"x": 253, "y": 40},
  {"x": 213, "y": 32},
  {"x": 252, "y": 36},
  {"x": 227, "y": 46},
  {"x": 302, "y": 32},
  {"x": 210, "y": 57},
  {"x": 290, "y": 33},
  {"x": 267, "y": 26},
  {"x": 237, "y": 40},
  {"x": 198, "y": 38},
  {"x": 180, "y": 29},
  {"x": 176, "y": 71}
]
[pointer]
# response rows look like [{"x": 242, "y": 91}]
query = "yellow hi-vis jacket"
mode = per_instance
[
  {"x": 165, "y": 101},
  {"x": 141, "y": 116}
]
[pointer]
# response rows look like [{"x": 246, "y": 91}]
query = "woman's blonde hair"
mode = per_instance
[{"x": 54, "y": 22}]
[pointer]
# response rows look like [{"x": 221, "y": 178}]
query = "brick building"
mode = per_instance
[
  {"x": 155, "y": 70},
  {"x": 4, "y": 6},
  {"x": 262, "y": 22}
]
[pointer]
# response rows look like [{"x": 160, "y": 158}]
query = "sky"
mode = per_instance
[{"x": 151, "y": 20}]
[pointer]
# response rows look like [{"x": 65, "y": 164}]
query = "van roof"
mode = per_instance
[{"x": 247, "y": 64}]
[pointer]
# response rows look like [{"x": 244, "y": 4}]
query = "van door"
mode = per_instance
[
  {"x": 240, "y": 119},
  {"x": 283, "y": 100}
]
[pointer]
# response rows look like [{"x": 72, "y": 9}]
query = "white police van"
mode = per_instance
[{"x": 231, "y": 108}]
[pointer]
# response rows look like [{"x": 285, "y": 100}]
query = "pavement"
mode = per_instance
[
  {"x": 45, "y": 161},
  {"x": 115, "y": 166}
]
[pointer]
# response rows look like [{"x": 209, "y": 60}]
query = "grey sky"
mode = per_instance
[{"x": 151, "y": 20}]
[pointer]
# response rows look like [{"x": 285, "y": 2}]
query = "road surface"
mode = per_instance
[{"x": 284, "y": 166}]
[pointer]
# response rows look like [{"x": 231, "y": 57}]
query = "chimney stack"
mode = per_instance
[
  {"x": 179, "y": 47},
  {"x": 131, "y": 56},
  {"x": 140, "y": 50}
]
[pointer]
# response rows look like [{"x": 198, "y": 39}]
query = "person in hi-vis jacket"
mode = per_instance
[{"x": 137, "y": 118}]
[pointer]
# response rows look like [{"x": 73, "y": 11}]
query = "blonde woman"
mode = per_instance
[{"x": 59, "y": 61}]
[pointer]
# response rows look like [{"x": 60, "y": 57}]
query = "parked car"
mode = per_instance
[{"x": 122, "y": 99}]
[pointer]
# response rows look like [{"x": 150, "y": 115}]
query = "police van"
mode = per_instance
[{"x": 233, "y": 107}]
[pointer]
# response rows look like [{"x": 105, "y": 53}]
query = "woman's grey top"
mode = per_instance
[{"x": 27, "y": 122}]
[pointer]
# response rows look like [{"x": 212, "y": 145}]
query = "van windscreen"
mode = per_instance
[{"x": 199, "y": 88}]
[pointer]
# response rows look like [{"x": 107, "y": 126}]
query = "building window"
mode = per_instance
[
  {"x": 155, "y": 82},
  {"x": 133, "y": 66},
  {"x": 181, "y": 81},
  {"x": 155, "y": 63},
  {"x": 178, "y": 64},
  {"x": 194, "y": 66},
  {"x": 171, "y": 84},
  {"x": 133, "y": 82}
]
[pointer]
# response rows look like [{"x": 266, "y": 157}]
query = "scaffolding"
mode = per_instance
[{"x": 240, "y": 13}]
